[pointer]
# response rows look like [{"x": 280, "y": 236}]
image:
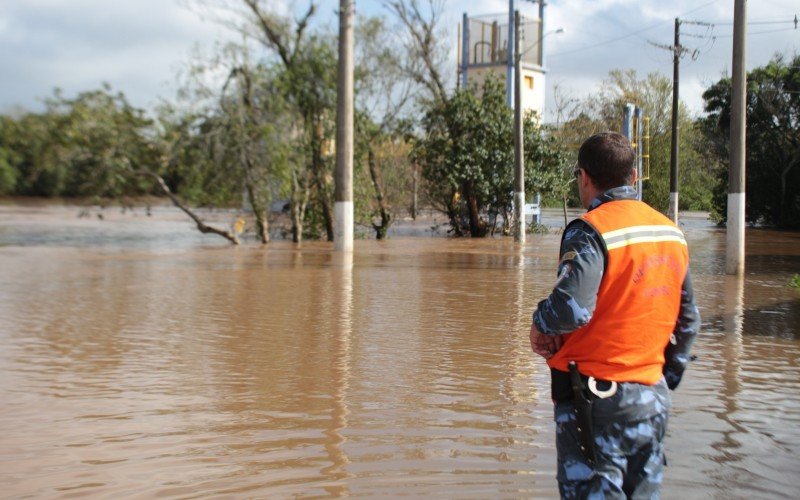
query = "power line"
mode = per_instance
[
  {"x": 727, "y": 23},
  {"x": 759, "y": 32},
  {"x": 623, "y": 37}
]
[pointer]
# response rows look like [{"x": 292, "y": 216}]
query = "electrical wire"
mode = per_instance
[
  {"x": 623, "y": 37},
  {"x": 759, "y": 32},
  {"x": 752, "y": 23}
]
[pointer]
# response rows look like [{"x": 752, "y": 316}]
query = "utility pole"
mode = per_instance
[
  {"x": 510, "y": 50},
  {"x": 673, "y": 157},
  {"x": 343, "y": 196},
  {"x": 519, "y": 149},
  {"x": 677, "y": 52},
  {"x": 734, "y": 254}
]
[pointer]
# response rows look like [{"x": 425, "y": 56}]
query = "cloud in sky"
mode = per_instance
[
  {"x": 138, "y": 45},
  {"x": 135, "y": 45}
]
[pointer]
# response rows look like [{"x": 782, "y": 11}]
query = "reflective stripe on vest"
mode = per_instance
[
  {"x": 639, "y": 296},
  {"x": 641, "y": 234}
]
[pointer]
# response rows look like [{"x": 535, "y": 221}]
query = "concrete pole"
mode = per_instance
[
  {"x": 734, "y": 255},
  {"x": 639, "y": 151},
  {"x": 673, "y": 158},
  {"x": 464, "y": 50},
  {"x": 519, "y": 148},
  {"x": 540, "y": 36},
  {"x": 510, "y": 51},
  {"x": 343, "y": 197}
]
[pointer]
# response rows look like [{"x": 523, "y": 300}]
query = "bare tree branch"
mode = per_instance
[
  {"x": 270, "y": 31},
  {"x": 302, "y": 24},
  {"x": 201, "y": 226},
  {"x": 421, "y": 28}
]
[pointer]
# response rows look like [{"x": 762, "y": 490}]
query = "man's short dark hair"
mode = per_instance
[{"x": 607, "y": 158}]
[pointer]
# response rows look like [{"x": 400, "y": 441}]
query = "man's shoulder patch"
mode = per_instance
[{"x": 569, "y": 256}]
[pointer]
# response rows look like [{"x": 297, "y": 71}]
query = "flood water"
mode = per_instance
[{"x": 139, "y": 358}]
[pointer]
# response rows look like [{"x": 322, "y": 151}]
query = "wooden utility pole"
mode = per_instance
[
  {"x": 343, "y": 196},
  {"x": 519, "y": 149},
  {"x": 673, "y": 157},
  {"x": 734, "y": 254}
]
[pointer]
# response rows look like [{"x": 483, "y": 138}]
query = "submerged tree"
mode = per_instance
[
  {"x": 466, "y": 155},
  {"x": 383, "y": 94},
  {"x": 81, "y": 146},
  {"x": 773, "y": 142}
]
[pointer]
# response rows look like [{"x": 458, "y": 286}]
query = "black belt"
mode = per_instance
[{"x": 561, "y": 386}]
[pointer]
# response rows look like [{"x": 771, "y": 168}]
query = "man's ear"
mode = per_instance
[
  {"x": 585, "y": 180},
  {"x": 635, "y": 176}
]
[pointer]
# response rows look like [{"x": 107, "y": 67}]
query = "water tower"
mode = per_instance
[{"x": 487, "y": 47}]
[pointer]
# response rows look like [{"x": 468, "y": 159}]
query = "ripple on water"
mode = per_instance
[{"x": 203, "y": 370}]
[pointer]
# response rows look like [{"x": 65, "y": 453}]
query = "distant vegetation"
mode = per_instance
[{"x": 264, "y": 133}]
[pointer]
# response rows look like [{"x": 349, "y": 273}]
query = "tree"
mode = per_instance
[
  {"x": 8, "y": 174},
  {"x": 383, "y": 94},
  {"x": 82, "y": 146},
  {"x": 466, "y": 155},
  {"x": 604, "y": 110},
  {"x": 93, "y": 145},
  {"x": 306, "y": 63},
  {"x": 773, "y": 142},
  {"x": 423, "y": 43}
]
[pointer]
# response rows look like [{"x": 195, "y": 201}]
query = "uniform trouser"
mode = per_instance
[{"x": 629, "y": 430}]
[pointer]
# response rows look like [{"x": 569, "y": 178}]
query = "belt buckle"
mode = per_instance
[{"x": 602, "y": 394}]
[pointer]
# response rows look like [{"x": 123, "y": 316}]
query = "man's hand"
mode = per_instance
[{"x": 544, "y": 345}]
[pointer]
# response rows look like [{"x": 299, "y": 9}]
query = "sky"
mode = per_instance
[{"x": 140, "y": 46}]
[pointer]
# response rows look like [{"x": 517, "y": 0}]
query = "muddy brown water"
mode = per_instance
[{"x": 140, "y": 359}]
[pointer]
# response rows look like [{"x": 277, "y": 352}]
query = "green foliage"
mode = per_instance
[
  {"x": 605, "y": 110},
  {"x": 467, "y": 158},
  {"x": 537, "y": 228},
  {"x": 8, "y": 173},
  {"x": 85, "y": 146},
  {"x": 773, "y": 142},
  {"x": 795, "y": 281}
]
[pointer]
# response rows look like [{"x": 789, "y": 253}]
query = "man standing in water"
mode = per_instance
[{"x": 616, "y": 331}]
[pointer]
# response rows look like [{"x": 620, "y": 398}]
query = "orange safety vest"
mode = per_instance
[{"x": 639, "y": 296}]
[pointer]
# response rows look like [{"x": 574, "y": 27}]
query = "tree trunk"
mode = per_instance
[
  {"x": 454, "y": 214},
  {"x": 297, "y": 206},
  {"x": 318, "y": 167},
  {"x": 260, "y": 213},
  {"x": 322, "y": 193},
  {"x": 380, "y": 230},
  {"x": 565, "y": 212},
  {"x": 784, "y": 174},
  {"x": 506, "y": 221},
  {"x": 477, "y": 226},
  {"x": 415, "y": 182}
]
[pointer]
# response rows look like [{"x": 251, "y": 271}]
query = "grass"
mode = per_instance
[{"x": 795, "y": 281}]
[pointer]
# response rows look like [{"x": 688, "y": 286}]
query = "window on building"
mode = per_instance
[{"x": 529, "y": 82}]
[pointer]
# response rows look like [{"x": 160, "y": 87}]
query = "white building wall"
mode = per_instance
[{"x": 532, "y": 98}]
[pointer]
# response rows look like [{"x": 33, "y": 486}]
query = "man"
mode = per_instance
[{"x": 616, "y": 331}]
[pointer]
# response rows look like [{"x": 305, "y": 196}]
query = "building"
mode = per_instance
[{"x": 485, "y": 48}]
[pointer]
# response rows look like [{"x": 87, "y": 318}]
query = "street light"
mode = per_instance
[
  {"x": 552, "y": 32},
  {"x": 519, "y": 170}
]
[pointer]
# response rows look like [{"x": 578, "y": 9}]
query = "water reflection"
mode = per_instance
[
  {"x": 342, "y": 297},
  {"x": 728, "y": 446}
]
